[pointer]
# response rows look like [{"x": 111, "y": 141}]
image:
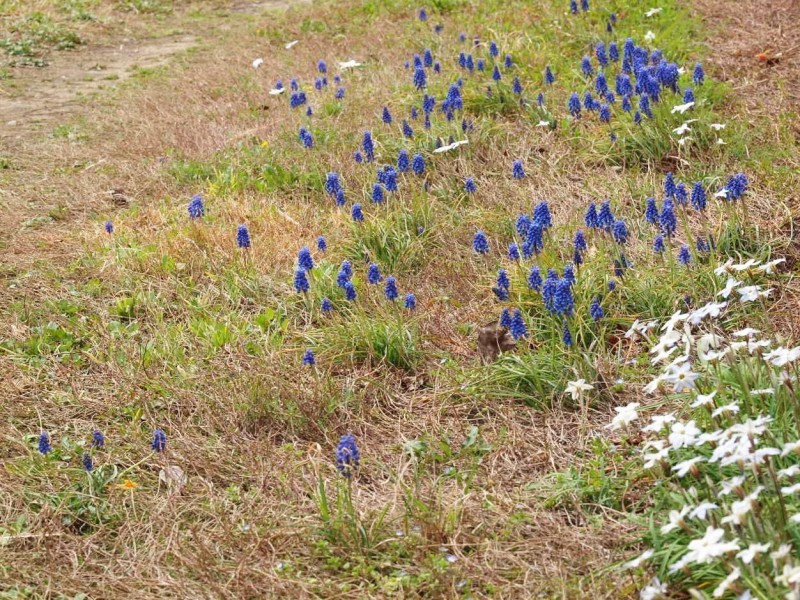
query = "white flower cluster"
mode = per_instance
[{"x": 733, "y": 471}]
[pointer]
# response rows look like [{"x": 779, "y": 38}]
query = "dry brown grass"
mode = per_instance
[{"x": 191, "y": 544}]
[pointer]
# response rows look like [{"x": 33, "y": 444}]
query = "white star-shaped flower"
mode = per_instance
[
  {"x": 682, "y": 108},
  {"x": 684, "y": 128},
  {"x": 449, "y": 147},
  {"x": 577, "y": 388},
  {"x": 769, "y": 268}
]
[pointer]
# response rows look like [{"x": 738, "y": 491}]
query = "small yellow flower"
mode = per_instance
[{"x": 126, "y": 484}]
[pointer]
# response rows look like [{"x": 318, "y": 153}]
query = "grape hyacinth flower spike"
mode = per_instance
[
  {"x": 243, "y": 237},
  {"x": 479, "y": 243},
  {"x": 348, "y": 458},
  {"x": 196, "y": 207},
  {"x": 159, "y": 443},
  {"x": 44, "y": 443}
]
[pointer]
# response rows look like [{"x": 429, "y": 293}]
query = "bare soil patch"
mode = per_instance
[
  {"x": 72, "y": 78},
  {"x": 756, "y": 47}
]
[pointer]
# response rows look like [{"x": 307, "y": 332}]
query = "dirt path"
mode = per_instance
[
  {"x": 43, "y": 96},
  {"x": 59, "y": 90}
]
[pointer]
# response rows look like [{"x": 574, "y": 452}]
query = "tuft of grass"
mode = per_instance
[{"x": 371, "y": 340}]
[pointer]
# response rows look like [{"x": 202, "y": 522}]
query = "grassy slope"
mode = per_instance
[{"x": 165, "y": 324}]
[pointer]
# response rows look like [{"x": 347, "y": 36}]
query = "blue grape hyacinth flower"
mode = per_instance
[
  {"x": 563, "y": 301},
  {"x": 469, "y": 185},
  {"x": 684, "y": 256},
  {"x": 479, "y": 243},
  {"x": 86, "y": 461},
  {"x": 502, "y": 279},
  {"x": 159, "y": 443},
  {"x": 377, "y": 193},
  {"x": 517, "y": 171},
  {"x": 403, "y": 162},
  {"x": 243, "y": 237},
  {"x": 651, "y": 212},
  {"x": 669, "y": 185},
  {"x": 350, "y": 291},
  {"x": 513, "y": 252},
  {"x": 549, "y": 78},
  {"x": 658, "y": 244},
  {"x": 326, "y": 305},
  {"x": 301, "y": 284},
  {"x": 605, "y": 218},
  {"x": 600, "y": 53},
  {"x": 737, "y": 186},
  {"x": 535, "y": 279},
  {"x": 601, "y": 84},
  {"x": 595, "y": 310},
  {"x": 332, "y": 184},
  {"x": 669, "y": 224},
  {"x": 357, "y": 213},
  {"x": 698, "y": 76},
  {"x": 620, "y": 232},
  {"x": 322, "y": 244},
  {"x": 613, "y": 49},
  {"x": 386, "y": 116},
  {"x": 309, "y": 358},
  {"x": 109, "y": 226},
  {"x": 574, "y": 105},
  {"x": 306, "y": 138},
  {"x": 418, "y": 164},
  {"x": 591, "y": 219},
  {"x": 681, "y": 195},
  {"x": 196, "y": 207},
  {"x": 374, "y": 274},
  {"x": 348, "y": 458},
  {"x": 698, "y": 197},
  {"x": 304, "y": 259},
  {"x": 420, "y": 78},
  {"x": 390, "y": 289},
  {"x": 541, "y": 215},
  {"x": 44, "y": 443},
  {"x": 410, "y": 301},
  {"x": 98, "y": 439},
  {"x": 569, "y": 273},
  {"x": 566, "y": 336},
  {"x": 586, "y": 66},
  {"x": 368, "y": 146},
  {"x": 579, "y": 242},
  {"x": 517, "y": 327}
]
